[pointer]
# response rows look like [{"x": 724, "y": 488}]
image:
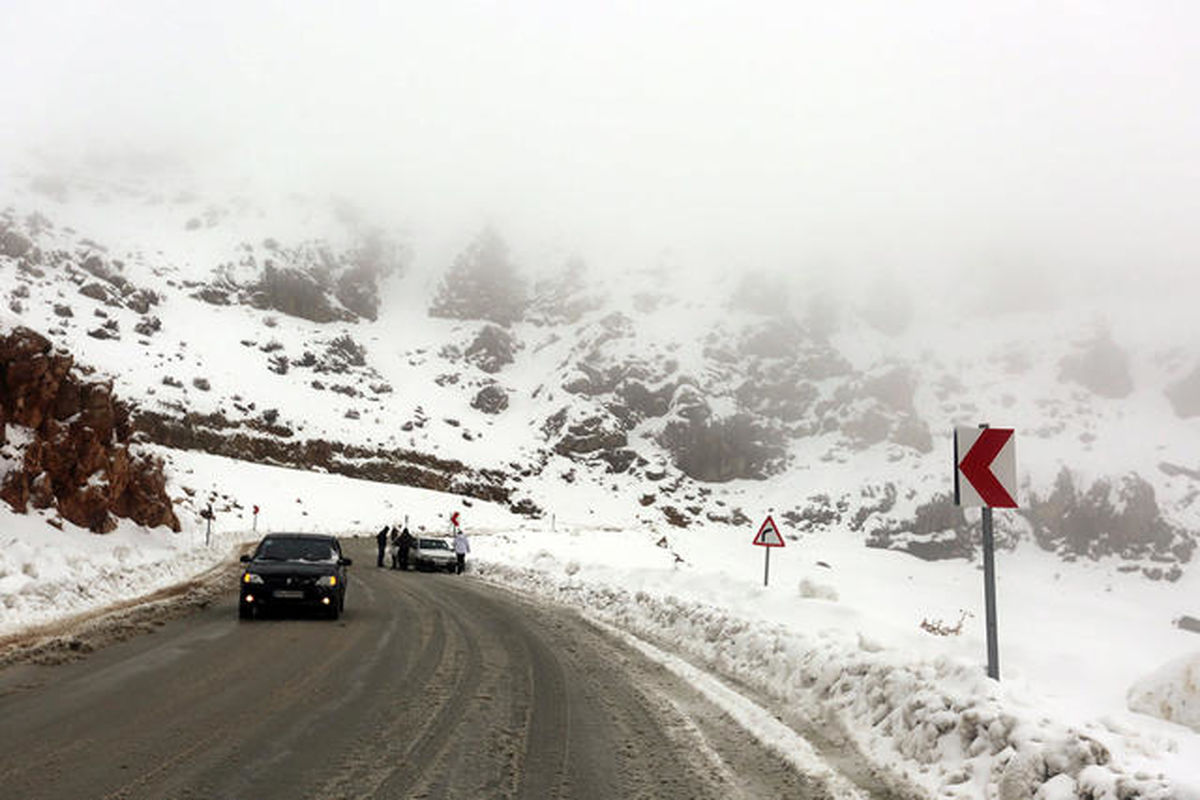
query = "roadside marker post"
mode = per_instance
[
  {"x": 986, "y": 458},
  {"x": 768, "y": 536}
]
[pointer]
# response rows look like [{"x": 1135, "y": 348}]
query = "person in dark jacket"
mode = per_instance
[
  {"x": 405, "y": 543},
  {"x": 381, "y": 540}
]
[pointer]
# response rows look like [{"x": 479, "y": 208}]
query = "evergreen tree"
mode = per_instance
[{"x": 482, "y": 284}]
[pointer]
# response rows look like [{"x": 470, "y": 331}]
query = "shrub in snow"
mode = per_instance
[{"x": 939, "y": 628}]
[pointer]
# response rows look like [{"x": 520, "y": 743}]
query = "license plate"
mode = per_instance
[{"x": 289, "y": 594}]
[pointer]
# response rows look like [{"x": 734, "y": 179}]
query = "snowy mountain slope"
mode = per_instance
[{"x": 660, "y": 406}]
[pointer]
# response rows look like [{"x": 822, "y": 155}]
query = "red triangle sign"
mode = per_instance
[{"x": 769, "y": 535}]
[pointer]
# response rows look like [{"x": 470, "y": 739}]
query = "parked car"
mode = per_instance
[
  {"x": 432, "y": 553},
  {"x": 299, "y": 570}
]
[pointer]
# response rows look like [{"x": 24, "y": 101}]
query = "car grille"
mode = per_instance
[{"x": 289, "y": 581}]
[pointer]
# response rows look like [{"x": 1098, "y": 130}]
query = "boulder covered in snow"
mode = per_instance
[{"x": 1171, "y": 693}]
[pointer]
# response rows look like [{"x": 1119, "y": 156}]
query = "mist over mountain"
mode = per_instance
[{"x": 297, "y": 330}]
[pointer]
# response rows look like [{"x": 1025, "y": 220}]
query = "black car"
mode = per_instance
[{"x": 301, "y": 570}]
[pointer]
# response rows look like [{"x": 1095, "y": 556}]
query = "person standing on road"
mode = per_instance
[
  {"x": 394, "y": 547},
  {"x": 461, "y": 548},
  {"x": 405, "y": 544},
  {"x": 381, "y": 540}
]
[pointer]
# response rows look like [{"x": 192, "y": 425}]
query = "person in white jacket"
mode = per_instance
[{"x": 461, "y": 548}]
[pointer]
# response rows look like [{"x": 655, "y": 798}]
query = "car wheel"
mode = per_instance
[{"x": 245, "y": 611}]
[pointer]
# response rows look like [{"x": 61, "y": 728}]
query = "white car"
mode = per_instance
[{"x": 432, "y": 553}]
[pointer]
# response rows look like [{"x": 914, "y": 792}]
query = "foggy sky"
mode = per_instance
[{"x": 930, "y": 137}]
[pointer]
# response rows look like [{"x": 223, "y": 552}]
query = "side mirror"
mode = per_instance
[
  {"x": 345, "y": 562},
  {"x": 245, "y": 559}
]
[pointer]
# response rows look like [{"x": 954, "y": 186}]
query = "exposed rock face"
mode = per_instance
[
  {"x": 492, "y": 349},
  {"x": 311, "y": 280},
  {"x": 264, "y": 440},
  {"x": 491, "y": 399},
  {"x": 1110, "y": 519},
  {"x": 591, "y": 435},
  {"x": 1100, "y": 366},
  {"x": 876, "y": 408},
  {"x": 938, "y": 531},
  {"x": 79, "y": 460}
]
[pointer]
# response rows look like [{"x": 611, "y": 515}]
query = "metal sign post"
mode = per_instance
[
  {"x": 989, "y": 594},
  {"x": 986, "y": 458},
  {"x": 768, "y": 536}
]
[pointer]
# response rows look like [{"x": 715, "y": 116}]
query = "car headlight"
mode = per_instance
[
  {"x": 327, "y": 580},
  {"x": 251, "y": 577}
]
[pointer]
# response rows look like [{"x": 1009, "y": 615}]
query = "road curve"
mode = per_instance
[{"x": 430, "y": 686}]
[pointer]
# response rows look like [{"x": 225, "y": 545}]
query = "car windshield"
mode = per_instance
[
  {"x": 433, "y": 544},
  {"x": 296, "y": 550}
]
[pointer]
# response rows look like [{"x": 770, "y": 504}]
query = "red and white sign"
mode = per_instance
[
  {"x": 769, "y": 535},
  {"x": 454, "y": 519},
  {"x": 985, "y": 470},
  {"x": 256, "y": 511}
]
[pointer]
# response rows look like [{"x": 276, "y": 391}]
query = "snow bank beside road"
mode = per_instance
[
  {"x": 938, "y": 726},
  {"x": 1172, "y": 693},
  {"x": 862, "y": 668},
  {"x": 47, "y": 574}
]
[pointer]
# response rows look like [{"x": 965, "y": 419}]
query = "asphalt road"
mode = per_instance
[{"x": 430, "y": 686}]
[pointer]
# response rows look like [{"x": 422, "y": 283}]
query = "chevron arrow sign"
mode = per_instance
[{"x": 985, "y": 467}]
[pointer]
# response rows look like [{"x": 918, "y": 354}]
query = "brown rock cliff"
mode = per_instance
[{"x": 79, "y": 459}]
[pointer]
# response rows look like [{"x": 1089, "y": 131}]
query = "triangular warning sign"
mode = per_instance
[{"x": 769, "y": 535}]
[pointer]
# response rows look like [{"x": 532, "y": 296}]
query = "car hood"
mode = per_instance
[{"x": 291, "y": 568}]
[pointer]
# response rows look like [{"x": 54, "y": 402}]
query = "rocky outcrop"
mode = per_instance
[
  {"x": 1101, "y": 366},
  {"x": 264, "y": 440},
  {"x": 79, "y": 460},
  {"x": 310, "y": 280},
  {"x": 492, "y": 349},
  {"x": 874, "y": 408},
  {"x": 491, "y": 399},
  {"x": 937, "y": 531},
  {"x": 1110, "y": 518}
]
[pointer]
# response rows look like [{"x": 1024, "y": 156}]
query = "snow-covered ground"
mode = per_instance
[{"x": 835, "y": 640}]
